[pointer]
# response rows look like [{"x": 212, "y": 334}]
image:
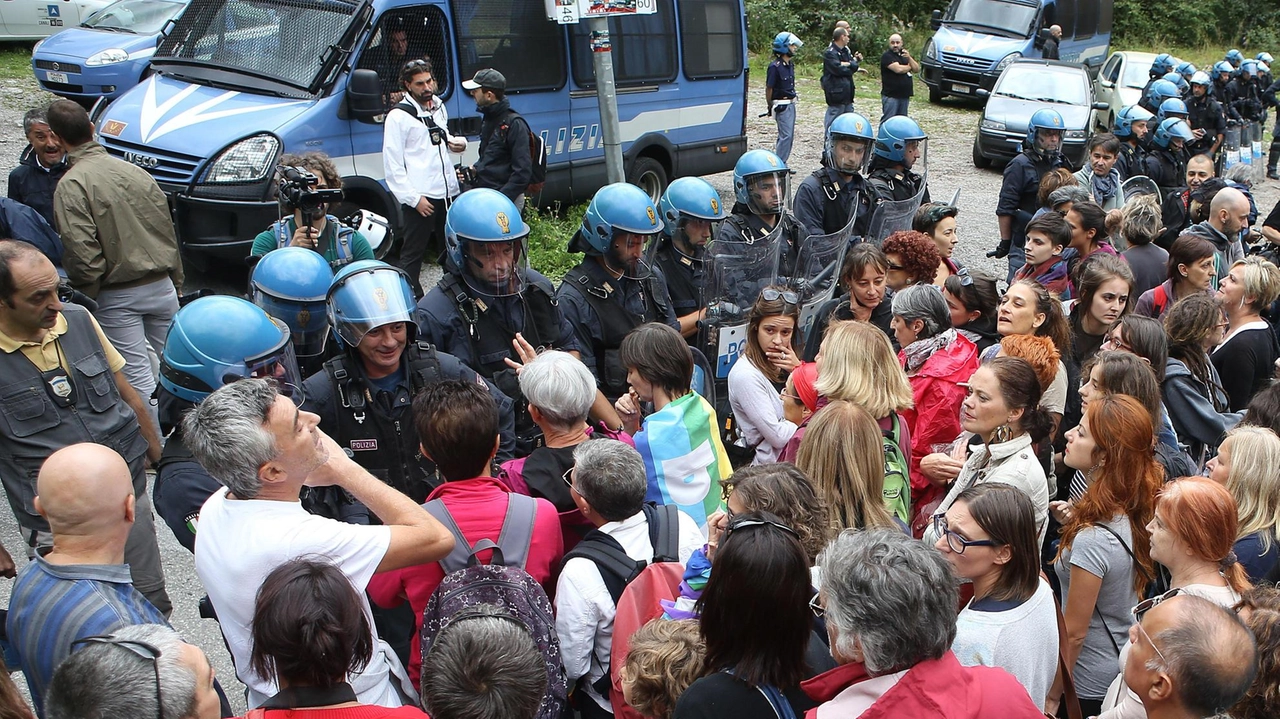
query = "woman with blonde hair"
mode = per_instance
[
  {"x": 1248, "y": 465},
  {"x": 1246, "y": 358},
  {"x": 857, "y": 364},
  {"x": 842, "y": 455}
]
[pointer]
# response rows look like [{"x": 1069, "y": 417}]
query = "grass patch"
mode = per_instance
[
  {"x": 549, "y": 233},
  {"x": 15, "y": 61}
]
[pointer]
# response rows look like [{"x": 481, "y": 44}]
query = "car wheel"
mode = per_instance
[
  {"x": 980, "y": 160},
  {"x": 649, "y": 175},
  {"x": 936, "y": 94}
]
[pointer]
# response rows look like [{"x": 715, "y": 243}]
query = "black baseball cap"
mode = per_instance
[{"x": 487, "y": 78}]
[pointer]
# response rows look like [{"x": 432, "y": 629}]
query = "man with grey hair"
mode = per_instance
[
  {"x": 1228, "y": 218},
  {"x": 890, "y": 605},
  {"x": 608, "y": 484},
  {"x": 139, "y": 671},
  {"x": 1064, "y": 197},
  {"x": 1188, "y": 657},
  {"x": 483, "y": 665},
  {"x": 42, "y": 164},
  {"x": 263, "y": 450}
]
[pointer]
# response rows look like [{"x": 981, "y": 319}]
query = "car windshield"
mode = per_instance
[
  {"x": 1135, "y": 74},
  {"x": 1033, "y": 83},
  {"x": 284, "y": 40},
  {"x": 141, "y": 17},
  {"x": 1004, "y": 17}
]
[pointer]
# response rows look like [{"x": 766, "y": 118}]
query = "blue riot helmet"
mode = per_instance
[
  {"x": 219, "y": 339},
  {"x": 1042, "y": 122},
  {"x": 785, "y": 43},
  {"x": 690, "y": 198},
  {"x": 485, "y": 237},
  {"x": 1235, "y": 57},
  {"x": 366, "y": 295},
  {"x": 1200, "y": 78},
  {"x": 1178, "y": 81},
  {"x": 290, "y": 284},
  {"x": 1160, "y": 91},
  {"x": 1265, "y": 58},
  {"x": 1162, "y": 64},
  {"x": 760, "y": 182},
  {"x": 1186, "y": 70},
  {"x": 1249, "y": 67},
  {"x": 1127, "y": 117},
  {"x": 1221, "y": 67},
  {"x": 1173, "y": 107},
  {"x": 619, "y": 208},
  {"x": 900, "y": 140},
  {"x": 1171, "y": 129},
  {"x": 848, "y": 145}
]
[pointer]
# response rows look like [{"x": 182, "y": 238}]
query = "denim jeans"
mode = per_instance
[
  {"x": 834, "y": 111},
  {"x": 893, "y": 106},
  {"x": 785, "y": 116}
]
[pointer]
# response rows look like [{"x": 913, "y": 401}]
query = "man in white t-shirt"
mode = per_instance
[{"x": 263, "y": 449}]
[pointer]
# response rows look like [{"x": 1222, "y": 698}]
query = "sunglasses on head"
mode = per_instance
[
  {"x": 966, "y": 279},
  {"x": 772, "y": 295}
]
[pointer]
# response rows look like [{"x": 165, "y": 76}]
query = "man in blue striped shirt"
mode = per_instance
[{"x": 81, "y": 588}]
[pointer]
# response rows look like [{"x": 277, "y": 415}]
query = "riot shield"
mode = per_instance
[
  {"x": 733, "y": 275},
  {"x": 1139, "y": 185},
  {"x": 892, "y": 216},
  {"x": 1232, "y": 144},
  {"x": 817, "y": 271}
]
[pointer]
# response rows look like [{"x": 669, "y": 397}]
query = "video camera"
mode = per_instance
[{"x": 297, "y": 191}]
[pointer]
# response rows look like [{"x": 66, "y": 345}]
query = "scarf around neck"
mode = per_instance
[{"x": 918, "y": 352}]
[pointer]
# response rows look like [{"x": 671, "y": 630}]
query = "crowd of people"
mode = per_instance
[{"x": 748, "y": 460}]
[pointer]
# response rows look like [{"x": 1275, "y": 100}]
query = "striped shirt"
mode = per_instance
[{"x": 53, "y": 605}]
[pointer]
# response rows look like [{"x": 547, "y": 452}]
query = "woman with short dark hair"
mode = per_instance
[
  {"x": 309, "y": 633},
  {"x": 937, "y": 221},
  {"x": 1191, "y": 270},
  {"x": 863, "y": 296}
]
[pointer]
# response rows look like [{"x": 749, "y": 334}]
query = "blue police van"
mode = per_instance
[
  {"x": 237, "y": 83},
  {"x": 975, "y": 40}
]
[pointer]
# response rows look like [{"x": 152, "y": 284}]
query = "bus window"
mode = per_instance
[
  {"x": 1086, "y": 19},
  {"x": 409, "y": 35},
  {"x": 1104, "y": 17},
  {"x": 1067, "y": 17},
  {"x": 644, "y": 49},
  {"x": 515, "y": 38},
  {"x": 711, "y": 38}
]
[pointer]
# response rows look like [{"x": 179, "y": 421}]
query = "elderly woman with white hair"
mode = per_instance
[
  {"x": 560, "y": 391},
  {"x": 1246, "y": 358},
  {"x": 938, "y": 361},
  {"x": 890, "y": 607}
]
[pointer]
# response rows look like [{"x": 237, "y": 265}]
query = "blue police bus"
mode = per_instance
[{"x": 237, "y": 83}]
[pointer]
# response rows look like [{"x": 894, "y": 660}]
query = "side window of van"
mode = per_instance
[
  {"x": 644, "y": 49},
  {"x": 1105, "y": 17},
  {"x": 513, "y": 37},
  {"x": 415, "y": 34},
  {"x": 711, "y": 38},
  {"x": 1086, "y": 18},
  {"x": 1067, "y": 17}
]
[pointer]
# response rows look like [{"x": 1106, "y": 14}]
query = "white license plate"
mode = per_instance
[
  {"x": 962, "y": 89},
  {"x": 60, "y": 77}
]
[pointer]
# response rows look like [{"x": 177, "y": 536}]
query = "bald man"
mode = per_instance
[
  {"x": 1189, "y": 658},
  {"x": 82, "y": 587},
  {"x": 1050, "y": 49},
  {"x": 1228, "y": 218},
  {"x": 896, "y": 66}
]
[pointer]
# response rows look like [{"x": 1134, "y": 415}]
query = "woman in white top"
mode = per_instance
[
  {"x": 1003, "y": 410},
  {"x": 989, "y": 536},
  {"x": 1191, "y": 536},
  {"x": 757, "y": 378}
]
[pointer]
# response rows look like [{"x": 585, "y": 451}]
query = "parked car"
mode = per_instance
[
  {"x": 1120, "y": 84},
  {"x": 1024, "y": 87},
  {"x": 36, "y": 19},
  {"x": 107, "y": 54}
]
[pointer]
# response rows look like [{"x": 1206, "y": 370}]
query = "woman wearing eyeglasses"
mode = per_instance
[
  {"x": 937, "y": 360},
  {"x": 937, "y": 220},
  {"x": 756, "y": 380},
  {"x": 1192, "y": 389},
  {"x": 1246, "y": 358},
  {"x": 913, "y": 259},
  {"x": 756, "y": 621},
  {"x": 989, "y": 536},
  {"x": 1104, "y": 554},
  {"x": 1192, "y": 535}
]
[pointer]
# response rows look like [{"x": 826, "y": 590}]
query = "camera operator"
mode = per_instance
[
  {"x": 419, "y": 169},
  {"x": 308, "y": 184}
]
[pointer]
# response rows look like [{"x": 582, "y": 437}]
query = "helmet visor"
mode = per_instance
[
  {"x": 767, "y": 193},
  {"x": 848, "y": 155},
  {"x": 626, "y": 254},
  {"x": 495, "y": 269},
  {"x": 279, "y": 364},
  {"x": 308, "y": 322},
  {"x": 364, "y": 301}
]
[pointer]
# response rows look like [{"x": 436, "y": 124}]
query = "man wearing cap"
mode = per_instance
[{"x": 505, "y": 163}]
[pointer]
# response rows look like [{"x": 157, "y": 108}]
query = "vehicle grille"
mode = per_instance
[
  {"x": 172, "y": 168},
  {"x": 64, "y": 87},
  {"x": 57, "y": 66},
  {"x": 966, "y": 62}
]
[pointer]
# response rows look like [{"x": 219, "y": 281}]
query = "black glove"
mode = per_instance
[{"x": 1002, "y": 249}]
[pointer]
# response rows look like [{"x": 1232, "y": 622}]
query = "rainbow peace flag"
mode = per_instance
[{"x": 684, "y": 458}]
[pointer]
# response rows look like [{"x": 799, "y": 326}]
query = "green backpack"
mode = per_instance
[{"x": 897, "y": 481}]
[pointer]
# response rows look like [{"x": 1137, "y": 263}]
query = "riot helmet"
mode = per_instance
[
  {"x": 1173, "y": 107},
  {"x": 1186, "y": 70},
  {"x": 1264, "y": 58},
  {"x": 366, "y": 295},
  {"x": 1171, "y": 129},
  {"x": 848, "y": 145},
  {"x": 760, "y": 182},
  {"x": 1163, "y": 63},
  {"x": 219, "y": 339},
  {"x": 1249, "y": 68},
  {"x": 485, "y": 238},
  {"x": 785, "y": 43},
  {"x": 1160, "y": 91},
  {"x": 1127, "y": 117},
  {"x": 1178, "y": 81},
  {"x": 1235, "y": 57},
  {"x": 1222, "y": 67},
  {"x": 901, "y": 141},
  {"x": 290, "y": 285},
  {"x": 1200, "y": 78},
  {"x": 616, "y": 210},
  {"x": 688, "y": 203},
  {"x": 1044, "y": 133}
]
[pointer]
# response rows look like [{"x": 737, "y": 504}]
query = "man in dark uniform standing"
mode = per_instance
[
  {"x": 1041, "y": 152},
  {"x": 690, "y": 210}
]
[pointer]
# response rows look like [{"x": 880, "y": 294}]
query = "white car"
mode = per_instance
[
  {"x": 36, "y": 19},
  {"x": 1119, "y": 84}
]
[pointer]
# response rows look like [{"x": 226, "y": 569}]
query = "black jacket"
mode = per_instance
[
  {"x": 837, "y": 79},
  {"x": 505, "y": 163},
  {"x": 33, "y": 185},
  {"x": 1050, "y": 50}
]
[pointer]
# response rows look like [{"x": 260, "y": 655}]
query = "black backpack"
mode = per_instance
[{"x": 537, "y": 152}]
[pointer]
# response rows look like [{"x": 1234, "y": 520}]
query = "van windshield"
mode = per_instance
[
  {"x": 284, "y": 41},
  {"x": 1004, "y": 18}
]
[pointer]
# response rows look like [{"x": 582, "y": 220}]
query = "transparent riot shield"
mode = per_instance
[
  {"x": 733, "y": 275},
  {"x": 1231, "y": 143},
  {"x": 1139, "y": 185},
  {"x": 891, "y": 216},
  {"x": 1255, "y": 138},
  {"x": 818, "y": 272},
  {"x": 1246, "y": 143}
]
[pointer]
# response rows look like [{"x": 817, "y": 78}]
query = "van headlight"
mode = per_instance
[
  {"x": 107, "y": 57},
  {"x": 930, "y": 50},
  {"x": 993, "y": 125},
  {"x": 1074, "y": 135},
  {"x": 1007, "y": 61},
  {"x": 249, "y": 160}
]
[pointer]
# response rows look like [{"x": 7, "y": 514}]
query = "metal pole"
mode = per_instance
[{"x": 606, "y": 94}]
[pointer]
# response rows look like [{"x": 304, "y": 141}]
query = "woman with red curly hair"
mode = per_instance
[
  {"x": 913, "y": 259},
  {"x": 1104, "y": 556}
]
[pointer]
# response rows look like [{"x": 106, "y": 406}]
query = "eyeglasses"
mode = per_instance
[
  {"x": 896, "y": 267},
  {"x": 759, "y": 523},
  {"x": 818, "y": 610},
  {"x": 966, "y": 280},
  {"x": 957, "y": 543},
  {"x": 771, "y": 295},
  {"x": 1145, "y": 606},
  {"x": 145, "y": 650},
  {"x": 785, "y": 395},
  {"x": 1115, "y": 343}
]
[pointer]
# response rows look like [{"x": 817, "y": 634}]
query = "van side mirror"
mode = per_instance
[
  {"x": 1041, "y": 37},
  {"x": 1100, "y": 106},
  {"x": 982, "y": 92},
  {"x": 935, "y": 19},
  {"x": 364, "y": 95}
]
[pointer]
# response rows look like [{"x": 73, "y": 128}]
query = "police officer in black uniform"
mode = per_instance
[
  {"x": 691, "y": 210},
  {"x": 760, "y": 180},
  {"x": 1041, "y": 152},
  {"x": 827, "y": 199},
  {"x": 1205, "y": 116}
]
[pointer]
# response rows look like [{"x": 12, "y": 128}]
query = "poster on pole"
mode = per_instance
[
  {"x": 608, "y": 8},
  {"x": 564, "y": 12}
]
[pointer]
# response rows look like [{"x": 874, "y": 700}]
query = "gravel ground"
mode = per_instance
[{"x": 950, "y": 127}]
